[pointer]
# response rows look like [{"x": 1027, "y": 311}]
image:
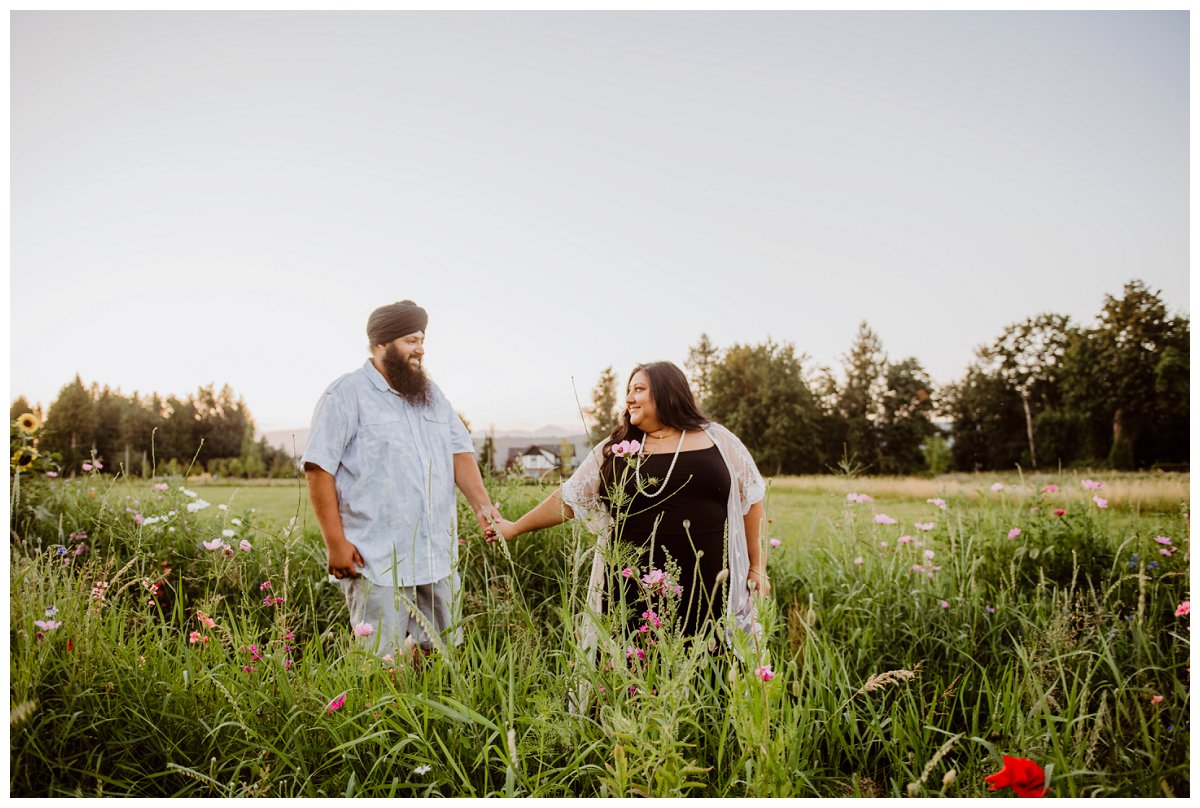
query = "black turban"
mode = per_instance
[{"x": 395, "y": 320}]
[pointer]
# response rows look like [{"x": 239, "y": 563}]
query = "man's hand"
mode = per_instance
[{"x": 343, "y": 556}]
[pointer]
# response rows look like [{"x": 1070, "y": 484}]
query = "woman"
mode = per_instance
[{"x": 693, "y": 494}]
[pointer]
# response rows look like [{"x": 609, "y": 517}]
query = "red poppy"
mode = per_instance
[
  {"x": 69, "y": 646},
  {"x": 1022, "y": 775}
]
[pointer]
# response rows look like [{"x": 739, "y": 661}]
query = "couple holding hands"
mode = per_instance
[{"x": 386, "y": 451}]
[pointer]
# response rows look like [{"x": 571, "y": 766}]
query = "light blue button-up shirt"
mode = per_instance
[{"x": 393, "y": 466}]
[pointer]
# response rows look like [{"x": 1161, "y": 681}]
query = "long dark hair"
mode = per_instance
[{"x": 673, "y": 399}]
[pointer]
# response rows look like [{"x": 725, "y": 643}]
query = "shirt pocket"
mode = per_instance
[
  {"x": 379, "y": 441},
  {"x": 437, "y": 427}
]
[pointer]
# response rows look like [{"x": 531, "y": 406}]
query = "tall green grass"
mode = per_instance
[{"x": 1053, "y": 645}]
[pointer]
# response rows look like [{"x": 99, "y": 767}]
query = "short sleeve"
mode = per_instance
[
  {"x": 330, "y": 434},
  {"x": 460, "y": 438}
]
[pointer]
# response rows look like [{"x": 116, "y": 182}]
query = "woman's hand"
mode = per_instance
[
  {"x": 504, "y": 530},
  {"x": 759, "y": 583}
]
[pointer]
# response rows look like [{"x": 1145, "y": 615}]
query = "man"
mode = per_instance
[{"x": 384, "y": 454}]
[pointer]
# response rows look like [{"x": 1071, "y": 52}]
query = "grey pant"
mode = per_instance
[{"x": 395, "y": 613}]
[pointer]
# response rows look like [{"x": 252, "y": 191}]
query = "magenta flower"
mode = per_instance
[
  {"x": 1059, "y": 512},
  {"x": 1050, "y": 489},
  {"x": 1092, "y": 485},
  {"x": 627, "y": 573},
  {"x": 1162, "y": 539},
  {"x": 1184, "y": 609},
  {"x": 884, "y": 519},
  {"x": 51, "y": 473},
  {"x": 1012, "y": 534},
  {"x": 764, "y": 672},
  {"x": 264, "y": 585},
  {"x": 651, "y": 616},
  {"x": 363, "y": 629},
  {"x": 945, "y": 604},
  {"x": 336, "y": 704},
  {"x": 654, "y": 577},
  {"x": 775, "y": 542},
  {"x": 1100, "y": 502}
]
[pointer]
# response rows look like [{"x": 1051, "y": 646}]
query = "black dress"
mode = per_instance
[{"x": 697, "y": 493}]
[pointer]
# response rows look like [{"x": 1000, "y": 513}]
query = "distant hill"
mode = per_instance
[{"x": 293, "y": 441}]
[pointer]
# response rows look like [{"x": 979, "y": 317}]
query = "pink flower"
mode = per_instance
[
  {"x": 634, "y": 447},
  {"x": 336, "y": 704},
  {"x": 858, "y": 559},
  {"x": 161, "y": 487},
  {"x": 653, "y": 577},
  {"x": 1162, "y": 540},
  {"x": 1059, "y": 512},
  {"x": 51, "y": 473},
  {"x": 245, "y": 546},
  {"x": 861, "y": 499},
  {"x": 651, "y": 616},
  {"x": 626, "y": 447},
  {"x": 775, "y": 542},
  {"x": 764, "y": 672},
  {"x": 884, "y": 519},
  {"x": 194, "y": 637},
  {"x": 1012, "y": 534},
  {"x": 1100, "y": 502},
  {"x": 1184, "y": 608},
  {"x": 1050, "y": 489},
  {"x": 928, "y": 554},
  {"x": 87, "y": 466},
  {"x": 941, "y": 503},
  {"x": 47, "y": 625},
  {"x": 923, "y": 525},
  {"x": 264, "y": 585},
  {"x": 363, "y": 630},
  {"x": 205, "y": 620},
  {"x": 904, "y": 539},
  {"x": 997, "y": 487},
  {"x": 1156, "y": 700},
  {"x": 215, "y": 544},
  {"x": 1092, "y": 485},
  {"x": 945, "y": 604}
]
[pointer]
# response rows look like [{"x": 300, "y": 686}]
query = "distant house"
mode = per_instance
[{"x": 534, "y": 461}]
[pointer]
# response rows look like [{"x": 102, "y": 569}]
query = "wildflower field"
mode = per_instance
[{"x": 949, "y": 636}]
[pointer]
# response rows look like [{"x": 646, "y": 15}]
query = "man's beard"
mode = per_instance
[{"x": 412, "y": 385}]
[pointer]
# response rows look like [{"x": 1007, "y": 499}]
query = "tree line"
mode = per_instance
[
  {"x": 208, "y": 431},
  {"x": 1044, "y": 393}
]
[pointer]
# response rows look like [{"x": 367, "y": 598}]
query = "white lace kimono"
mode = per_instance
[{"x": 582, "y": 493}]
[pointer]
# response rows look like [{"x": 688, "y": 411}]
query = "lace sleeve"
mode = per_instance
[
  {"x": 750, "y": 482},
  {"x": 582, "y": 491}
]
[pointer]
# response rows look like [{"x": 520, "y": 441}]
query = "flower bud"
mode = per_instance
[{"x": 948, "y": 778}]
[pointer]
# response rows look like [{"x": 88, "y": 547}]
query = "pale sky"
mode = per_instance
[{"x": 225, "y": 196}]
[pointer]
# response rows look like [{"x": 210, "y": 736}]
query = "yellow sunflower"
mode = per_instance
[
  {"x": 29, "y": 423},
  {"x": 23, "y": 458}
]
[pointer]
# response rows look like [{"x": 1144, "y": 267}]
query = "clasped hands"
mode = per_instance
[{"x": 494, "y": 525}]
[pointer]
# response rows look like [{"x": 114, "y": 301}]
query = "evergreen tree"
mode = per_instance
[
  {"x": 71, "y": 425},
  {"x": 604, "y": 413},
  {"x": 701, "y": 358},
  {"x": 861, "y": 396}
]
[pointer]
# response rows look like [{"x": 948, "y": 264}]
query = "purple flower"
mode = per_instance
[
  {"x": 1100, "y": 502},
  {"x": 1162, "y": 539},
  {"x": 764, "y": 672},
  {"x": 1012, "y": 534},
  {"x": 884, "y": 519},
  {"x": 1092, "y": 485}
]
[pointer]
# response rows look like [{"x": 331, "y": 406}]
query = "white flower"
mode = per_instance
[
  {"x": 186, "y": 492},
  {"x": 227, "y": 534},
  {"x": 198, "y": 505},
  {"x": 222, "y": 507},
  {"x": 235, "y": 521},
  {"x": 421, "y": 770}
]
